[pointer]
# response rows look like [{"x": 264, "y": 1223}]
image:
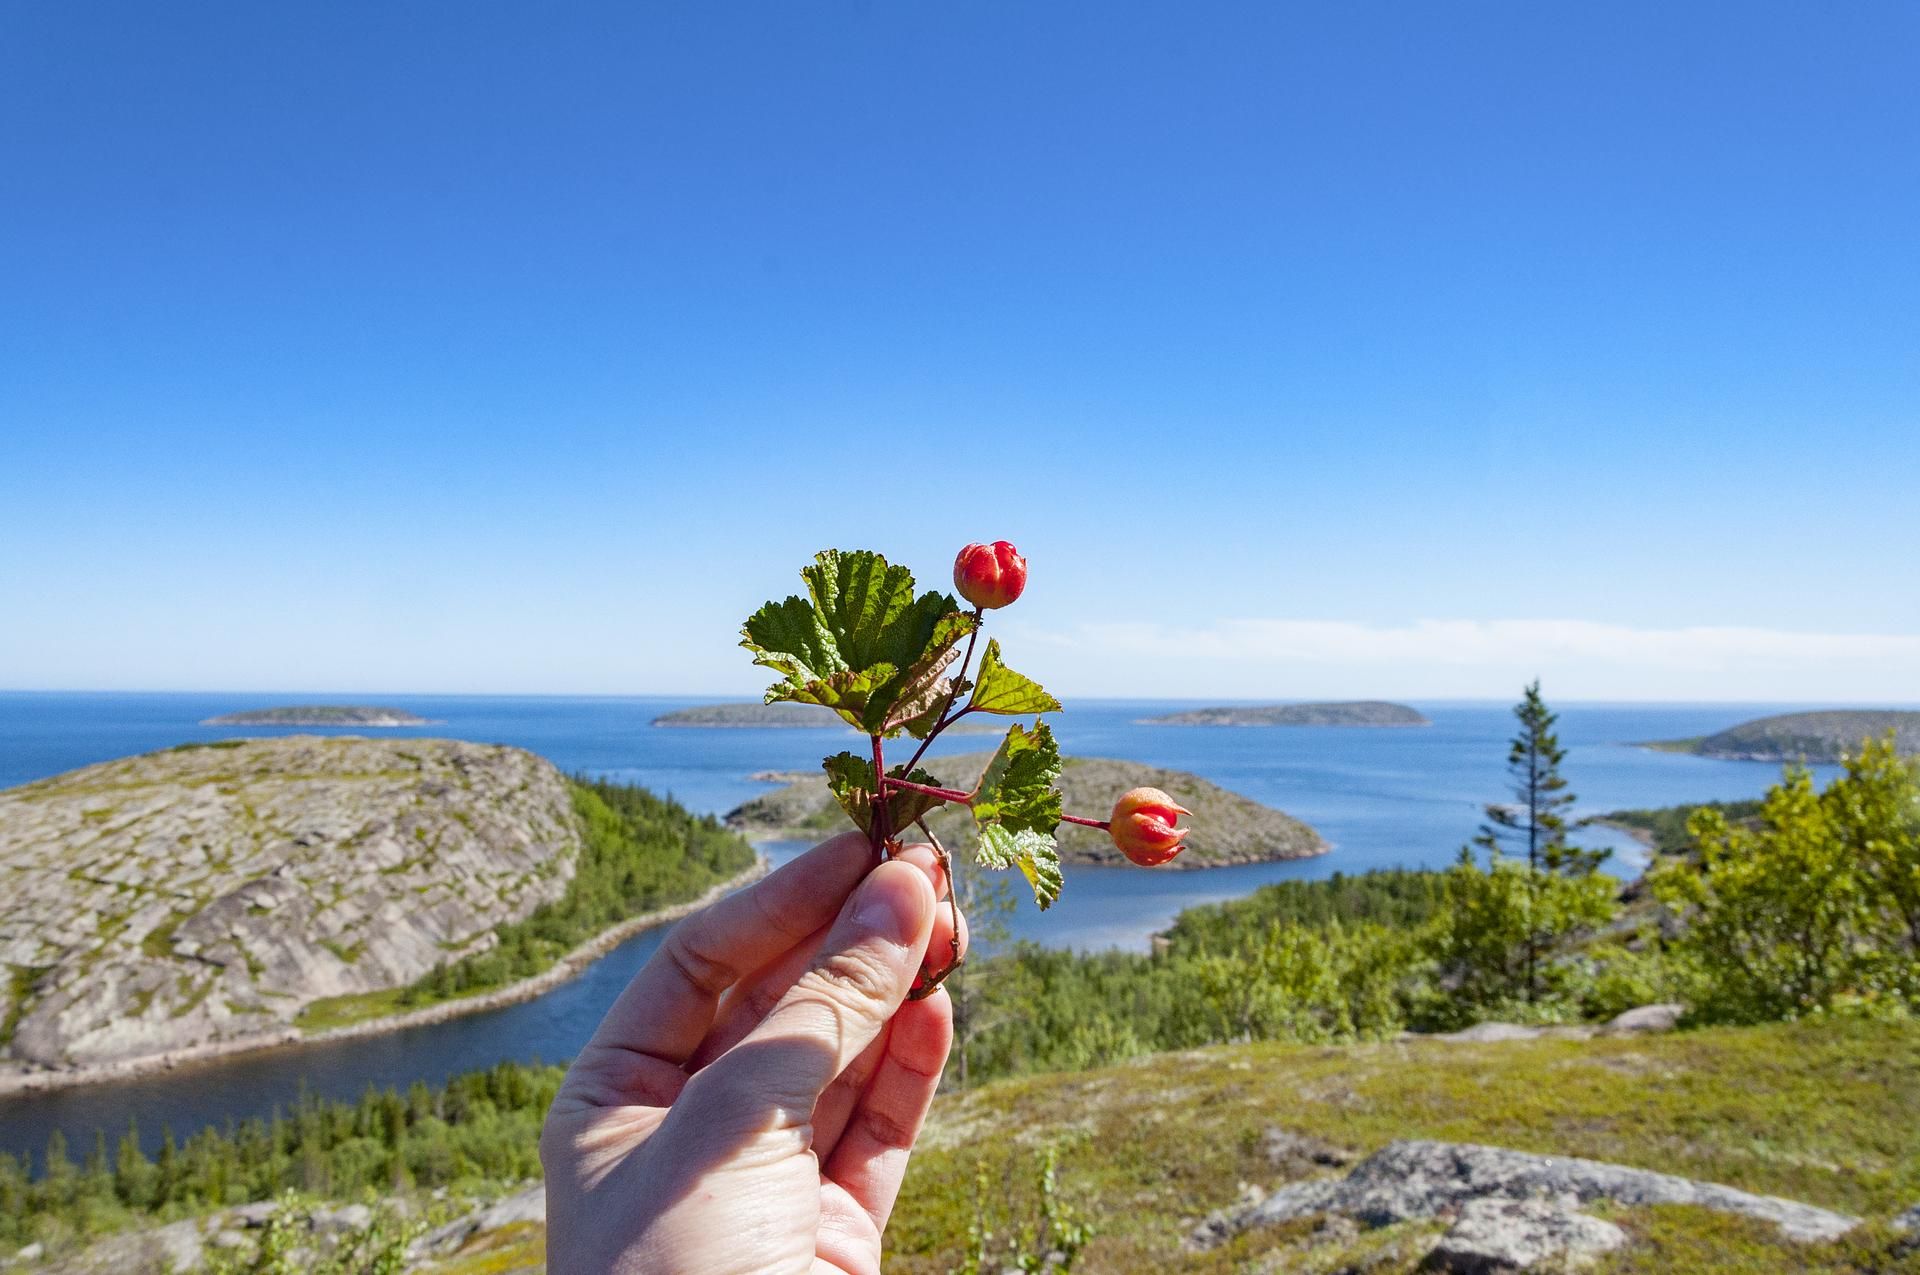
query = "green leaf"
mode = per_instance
[
  {"x": 1017, "y": 788},
  {"x": 1034, "y": 853},
  {"x": 1001, "y": 690},
  {"x": 860, "y": 642},
  {"x": 850, "y": 777}
]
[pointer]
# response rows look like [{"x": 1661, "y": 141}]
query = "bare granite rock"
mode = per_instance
[
  {"x": 1413, "y": 1179},
  {"x": 1494, "y": 1236},
  {"x": 1646, "y": 1018},
  {"x": 526, "y": 1205},
  {"x": 205, "y": 894}
]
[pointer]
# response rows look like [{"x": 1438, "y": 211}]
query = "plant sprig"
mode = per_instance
[{"x": 889, "y": 661}]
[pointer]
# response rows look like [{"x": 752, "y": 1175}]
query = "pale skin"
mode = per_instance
[{"x": 749, "y": 1103}]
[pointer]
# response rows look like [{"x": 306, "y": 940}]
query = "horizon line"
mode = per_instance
[{"x": 722, "y": 697}]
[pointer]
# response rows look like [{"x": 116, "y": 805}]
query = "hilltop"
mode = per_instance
[
  {"x": 1343, "y": 713},
  {"x": 1803, "y": 737},
  {"x": 1177, "y": 1160},
  {"x": 320, "y": 715},
  {"x": 210, "y": 897},
  {"x": 1228, "y": 828}
]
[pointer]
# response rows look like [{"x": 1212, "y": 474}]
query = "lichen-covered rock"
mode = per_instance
[
  {"x": 206, "y": 894},
  {"x": 1495, "y": 1236},
  {"x": 1413, "y": 1179}
]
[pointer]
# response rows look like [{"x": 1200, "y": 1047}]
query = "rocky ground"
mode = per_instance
[
  {"x": 188, "y": 899},
  {"x": 1227, "y": 827}
]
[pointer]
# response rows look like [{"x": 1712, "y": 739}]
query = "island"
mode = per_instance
[
  {"x": 1367, "y": 712},
  {"x": 320, "y": 715},
  {"x": 747, "y": 714},
  {"x": 227, "y": 895},
  {"x": 1227, "y": 827},
  {"x": 1823, "y": 736},
  {"x": 785, "y": 713}
]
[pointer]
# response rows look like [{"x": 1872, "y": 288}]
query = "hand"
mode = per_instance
[{"x": 749, "y": 1102}]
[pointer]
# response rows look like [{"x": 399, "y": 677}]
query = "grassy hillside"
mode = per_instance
[{"x": 1813, "y": 1112}]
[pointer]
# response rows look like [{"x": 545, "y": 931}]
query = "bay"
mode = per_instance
[{"x": 1395, "y": 797}]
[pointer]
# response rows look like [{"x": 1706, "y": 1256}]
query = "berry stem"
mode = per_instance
[
  {"x": 945, "y": 794},
  {"x": 1086, "y": 823},
  {"x": 943, "y": 721},
  {"x": 880, "y": 830}
]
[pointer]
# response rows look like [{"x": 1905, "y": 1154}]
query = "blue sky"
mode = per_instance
[{"x": 1334, "y": 350}]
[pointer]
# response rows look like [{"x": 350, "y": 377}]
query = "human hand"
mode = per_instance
[{"x": 749, "y": 1102}]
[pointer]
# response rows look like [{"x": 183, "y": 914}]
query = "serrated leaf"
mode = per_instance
[
  {"x": 1017, "y": 787},
  {"x": 1034, "y": 853},
  {"x": 1001, "y": 690},
  {"x": 860, "y": 642},
  {"x": 850, "y": 778}
]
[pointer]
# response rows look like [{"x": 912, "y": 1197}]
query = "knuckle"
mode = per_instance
[
  {"x": 887, "y": 1130},
  {"x": 708, "y": 973},
  {"x": 859, "y": 981}
]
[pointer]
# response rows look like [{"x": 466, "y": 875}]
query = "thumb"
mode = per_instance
[{"x": 832, "y": 1012}]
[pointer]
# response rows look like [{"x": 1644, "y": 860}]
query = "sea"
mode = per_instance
[{"x": 1381, "y": 797}]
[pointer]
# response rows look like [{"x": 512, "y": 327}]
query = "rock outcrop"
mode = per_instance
[
  {"x": 205, "y": 894},
  {"x": 1412, "y": 1180}
]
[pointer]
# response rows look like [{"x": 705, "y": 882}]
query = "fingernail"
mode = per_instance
[{"x": 886, "y": 912}]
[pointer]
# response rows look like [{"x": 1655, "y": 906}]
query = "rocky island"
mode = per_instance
[
  {"x": 1228, "y": 828},
  {"x": 196, "y": 901},
  {"x": 1339, "y": 713},
  {"x": 320, "y": 715},
  {"x": 1803, "y": 737},
  {"x": 748, "y": 714}
]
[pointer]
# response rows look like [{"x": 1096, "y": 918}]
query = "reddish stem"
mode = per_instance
[
  {"x": 880, "y": 830},
  {"x": 966, "y": 799},
  {"x": 943, "y": 721},
  {"x": 945, "y": 794}
]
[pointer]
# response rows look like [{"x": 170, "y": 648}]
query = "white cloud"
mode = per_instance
[{"x": 1252, "y": 658}]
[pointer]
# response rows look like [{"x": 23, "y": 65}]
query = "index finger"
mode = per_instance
[{"x": 668, "y": 1008}]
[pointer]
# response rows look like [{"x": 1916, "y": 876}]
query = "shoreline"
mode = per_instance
[{"x": 561, "y": 971}]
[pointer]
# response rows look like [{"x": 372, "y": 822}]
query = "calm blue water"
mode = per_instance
[{"x": 1383, "y": 798}]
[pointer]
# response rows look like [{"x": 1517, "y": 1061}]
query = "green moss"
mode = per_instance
[
  {"x": 196, "y": 993},
  {"x": 21, "y": 980},
  {"x": 349, "y": 953}
]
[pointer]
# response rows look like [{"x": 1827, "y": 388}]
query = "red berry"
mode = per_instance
[
  {"x": 990, "y": 576},
  {"x": 1142, "y": 826}
]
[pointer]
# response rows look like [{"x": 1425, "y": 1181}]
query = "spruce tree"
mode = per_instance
[{"x": 1536, "y": 820}]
